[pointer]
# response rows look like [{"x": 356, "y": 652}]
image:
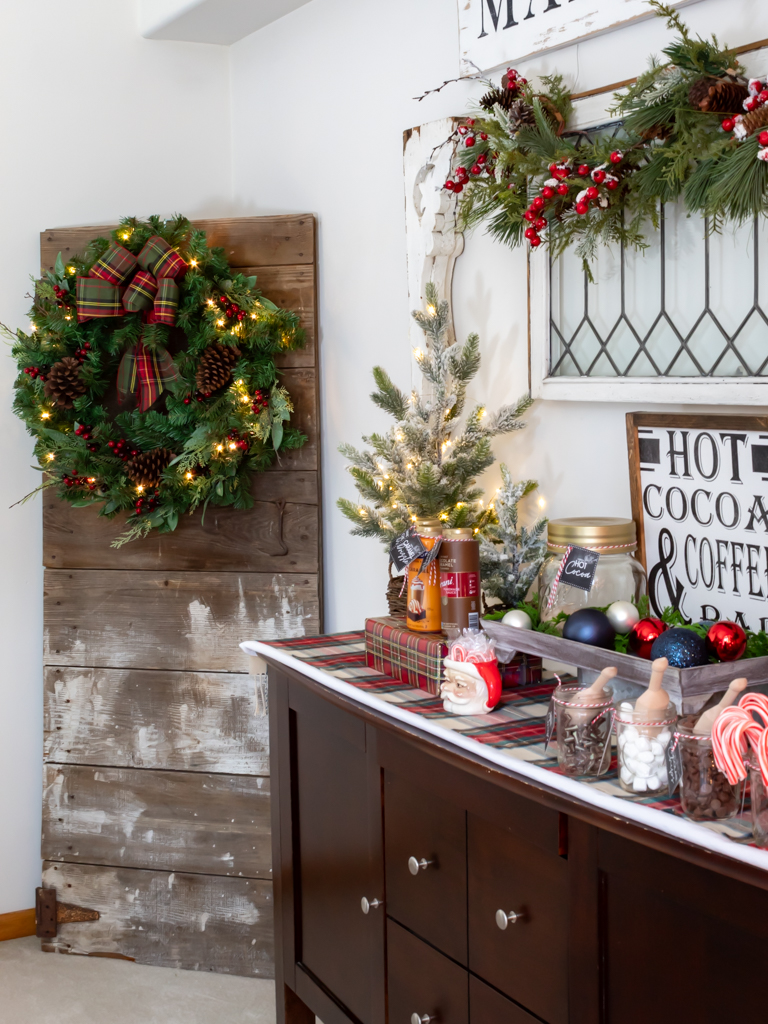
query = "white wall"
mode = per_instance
[
  {"x": 326, "y": 93},
  {"x": 73, "y": 153}
]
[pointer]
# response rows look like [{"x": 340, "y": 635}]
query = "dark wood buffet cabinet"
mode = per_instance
[{"x": 417, "y": 884}]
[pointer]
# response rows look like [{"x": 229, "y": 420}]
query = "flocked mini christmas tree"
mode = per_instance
[
  {"x": 427, "y": 464},
  {"x": 510, "y": 554}
]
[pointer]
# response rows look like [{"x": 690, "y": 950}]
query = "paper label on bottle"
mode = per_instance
[
  {"x": 459, "y": 584},
  {"x": 580, "y": 568},
  {"x": 674, "y": 765}
]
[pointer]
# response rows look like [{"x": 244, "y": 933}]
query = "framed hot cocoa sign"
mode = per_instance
[
  {"x": 700, "y": 500},
  {"x": 495, "y": 32}
]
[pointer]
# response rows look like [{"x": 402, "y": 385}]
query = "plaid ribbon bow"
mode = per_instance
[
  {"x": 145, "y": 370},
  {"x": 107, "y": 291}
]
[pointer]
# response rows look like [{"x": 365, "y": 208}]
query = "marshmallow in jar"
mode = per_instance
[{"x": 644, "y": 730}]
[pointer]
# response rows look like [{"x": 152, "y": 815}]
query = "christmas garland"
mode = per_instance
[
  {"x": 147, "y": 377},
  {"x": 692, "y": 128}
]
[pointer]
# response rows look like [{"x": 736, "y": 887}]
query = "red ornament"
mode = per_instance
[
  {"x": 643, "y": 634},
  {"x": 581, "y": 208},
  {"x": 562, "y": 189},
  {"x": 592, "y": 192},
  {"x": 728, "y": 124},
  {"x": 548, "y": 191},
  {"x": 727, "y": 641},
  {"x": 763, "y": 138},
  {"x": 583, "y": 170},
  {"x": 535, "y": 242},
  {"x": 540, "y": 223}
]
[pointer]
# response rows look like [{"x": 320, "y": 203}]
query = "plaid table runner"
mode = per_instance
[{"x": 516, "y": 727}]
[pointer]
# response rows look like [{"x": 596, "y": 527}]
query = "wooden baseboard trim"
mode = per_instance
[{"x": 17, "y": 925}]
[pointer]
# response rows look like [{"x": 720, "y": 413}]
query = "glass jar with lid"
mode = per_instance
[
  {"x": 618, "y": 577},
  {"x": 705, "y": 792}
]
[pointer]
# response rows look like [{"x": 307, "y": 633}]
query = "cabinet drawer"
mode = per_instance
[
  {"x": 422, "y": 981},
  {"x": 487, "y": 1006},
  {"x": 433, "y": 902},
  {"x": 528, "y": 958}
]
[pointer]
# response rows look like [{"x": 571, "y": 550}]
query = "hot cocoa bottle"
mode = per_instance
[
  {"x": 459, "y": 581},
  {"x": 423, "y": 611}
]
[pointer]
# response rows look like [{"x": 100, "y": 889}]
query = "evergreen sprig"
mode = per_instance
[
  {"x": 426, "y": 466},
  {"x": 196, "y": 428}
]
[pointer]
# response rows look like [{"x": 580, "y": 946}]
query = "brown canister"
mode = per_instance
[
  {"x": 423, "y": 611},
  {"x": 459, "y": 581}
]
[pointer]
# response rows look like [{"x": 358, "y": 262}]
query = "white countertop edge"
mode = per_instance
[{"x": 660, "y": 821}]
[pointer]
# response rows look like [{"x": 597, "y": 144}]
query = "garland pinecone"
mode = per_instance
[
  {"x": 215, "y": 368},
  {"x": 718, "y": 96},
  {"x": 64, "y": 383},
  {"x": 504, "y": 97},
  {"x": 755, "y": 120},
  {"x": 147, "y": 467}
]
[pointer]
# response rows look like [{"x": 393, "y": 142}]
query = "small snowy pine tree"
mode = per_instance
[
  {"x": 425, "y": 466},
  {"x": 510, "y": 555}
]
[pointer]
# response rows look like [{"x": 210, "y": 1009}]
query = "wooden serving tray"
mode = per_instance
[{"x": 689, "y": 688}]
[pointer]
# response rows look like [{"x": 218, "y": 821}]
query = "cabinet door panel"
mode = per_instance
[
  {"x": 423, "y": 981},
  {"x": 528, "y": 959},
  {"x": 337, "y": 942},
  {"x": 487, "y": 1006},
  {"x": 433, "y": 903}
]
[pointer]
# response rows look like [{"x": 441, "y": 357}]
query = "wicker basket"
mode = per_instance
[{"x": 397, "y": 593}]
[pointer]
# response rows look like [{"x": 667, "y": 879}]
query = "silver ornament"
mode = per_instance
[
  {"x": 518, "y": 618},
  {"x": 623, "y": 615}
]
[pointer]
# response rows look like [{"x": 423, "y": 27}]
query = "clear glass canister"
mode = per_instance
[
  {"x": 619, "y": 576},
  {"x": 705, "y": 793},
  {"x": 642, "y": 742},
  {"x": 759, "y": 797},
  {"x": 583, "y": 732}
]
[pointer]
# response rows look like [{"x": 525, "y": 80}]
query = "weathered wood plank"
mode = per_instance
[
  {"x": 301, "y": 383},
  {"x": 247, "y": 241},
  {"x": 171, "y": 821},
  {"x": 292, "y": 288},
  {"x": 227, "y": 540},
  {"x": 170, "y": 620},
  {"x": 133, "y": 718},
  {"x": 197, "y": 922}
]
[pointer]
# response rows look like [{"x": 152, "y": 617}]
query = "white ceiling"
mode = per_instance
[{"x": 210, "y": 21}]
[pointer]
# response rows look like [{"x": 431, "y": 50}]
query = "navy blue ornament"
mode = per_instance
[
  {"x": 589, "y": 626},
  {"x": 681, "y": 647}
]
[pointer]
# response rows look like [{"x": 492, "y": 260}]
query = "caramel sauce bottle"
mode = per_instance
[
  {"x": 423, "y": 611},
  {"x": 459, "y": 560}
]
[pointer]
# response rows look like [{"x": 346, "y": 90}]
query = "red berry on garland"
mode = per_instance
[
  {"x": 462, "y": 129},
  {"x": 581, "y": 208},
  {"x": 583, "y": 170},
  {"x": 536, "y": 242},
  {"x": 110, "y": 444},
  {"x": 475, "y": 169},
  {"x": 548, "y": 191},
  {"x": 643, "y": 635},
  {"x": 552, "y": 168},
  {"x": 562, "y": 189},
  {"x": 483, "y": 136},
  {"x": 751, "y": 104},
  {"x": 763, "y": 96},
  {"x": 93, "y": 447},
  {"x": 537, "y": 204},
  {"x": 540, "y": 223},
  {"x": 448, "y": 185},
  {"x": 469, "y": 141},
  {"x": 728, "y": 124},
  {"x": 482, "y": 158},
  {"x": 727, "y": 641},
  {"x": 187, "y": 400},
  {"x": 592, "y": 192},
  {"x": 599, "y": 176},
  {"x": 763, "y": 138},
  {"x": 530, "y": 233},
  {"x": 529, "y": 215},
  {"x": 612, "y": 184},
  {"x": 617, "y": 157},
  {"x": 458, "y": 188}
]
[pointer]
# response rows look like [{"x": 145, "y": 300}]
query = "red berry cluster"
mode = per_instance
[
  {"x": 81, "y": 353},
  {"x": 555, "y": 192},
  {"x": 482, "y": 163},
  {"x": 121, "y": 450},
  {"x": 85, "y": 432},
  {"x": 240, "y": 440},
  {"x": 230, "y": 309},
  {"x": 61, "y": 295},
  {"x": 79, "y": 481},
  {"x": 147, "y": 503},
  {"x": 758, "y": 97},
  {"x": 260, "y": 400},
  {"x": 35, "y": 372}
]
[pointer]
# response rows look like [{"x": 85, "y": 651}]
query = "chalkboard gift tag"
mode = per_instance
[
  {"x": 406, "y": 548},
  {"x": 580, "y": 568}
]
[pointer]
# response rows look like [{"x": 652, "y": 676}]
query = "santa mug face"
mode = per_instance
[{"x": 464, "y": 693}]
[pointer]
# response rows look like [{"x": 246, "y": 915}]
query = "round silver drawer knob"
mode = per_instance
[
  {"x": 417, "y": 1018},
  {"x": 415, "y": 866},
  {"x": 504, "y": 919},
  {"x": 368, "y": 905}
]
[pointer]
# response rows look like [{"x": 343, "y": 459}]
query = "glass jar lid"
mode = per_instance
[
  {"x": 427, "y": 524},
  {"x": 596, "y": 533}
]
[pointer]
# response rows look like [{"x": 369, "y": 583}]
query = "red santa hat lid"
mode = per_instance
[{"x": 488, "y": 671}]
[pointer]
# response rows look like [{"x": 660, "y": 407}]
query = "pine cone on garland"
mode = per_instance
[
  {"x": 754, "y": 121},
  {"x": 147, "y": 467},
  {"x": 215, "y": 368},
  {"x": 521, "y": 115},
  {"x": 718, "y": 97},
  {"x": 64, "y": 383},
  {"x": 504, "y": 97}
]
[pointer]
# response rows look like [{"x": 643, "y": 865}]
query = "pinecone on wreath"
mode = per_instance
[
  {"x": 754, "y": 120},
  {"x": 504, "y": 97},
  {"x": 717, "y": 96},
  {"x": 146, "y": 468},
  {"x": 521, "y": 114},
  {"x": 64, "y": 383},
  {"x": 215, "y": 368}
]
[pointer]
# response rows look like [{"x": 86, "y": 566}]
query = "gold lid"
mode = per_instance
[
  {"x": 459, "y": 531},
  {"x": 435, "y": 523},
  {"x": 596, "y": 533},
  {"x": 429, "y": 531}
]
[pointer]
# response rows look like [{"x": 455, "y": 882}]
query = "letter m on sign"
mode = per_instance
[{"x": 495, "y": 13}]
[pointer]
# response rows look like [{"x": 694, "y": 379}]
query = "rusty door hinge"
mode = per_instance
[{"x": 49, "y": 913}]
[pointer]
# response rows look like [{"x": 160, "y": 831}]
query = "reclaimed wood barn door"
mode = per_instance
[{"x": 156, "y": 789}]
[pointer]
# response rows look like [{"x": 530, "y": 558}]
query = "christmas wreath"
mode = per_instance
[
  {"x": 148, "y": 377},
  {"x": 691, "y": 128}
]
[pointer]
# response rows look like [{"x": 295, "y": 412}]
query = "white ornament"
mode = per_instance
[
  {"x": 623, "y": 615},
  {"x": 518, "y": 618}
]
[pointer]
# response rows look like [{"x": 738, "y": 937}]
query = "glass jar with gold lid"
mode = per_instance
[{"x": 618, "y": 577}]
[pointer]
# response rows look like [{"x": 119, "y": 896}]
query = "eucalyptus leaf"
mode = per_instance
[
  {"x": 277, "y": 434},
  {"x": 59, "y": 268}
]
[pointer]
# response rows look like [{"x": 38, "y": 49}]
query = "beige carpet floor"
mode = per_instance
[{"x": 40, "y": 988}]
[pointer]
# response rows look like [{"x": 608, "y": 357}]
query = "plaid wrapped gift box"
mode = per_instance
[
  {"x": 160, "y": 259},
  {"x": 414, "y": 658}
]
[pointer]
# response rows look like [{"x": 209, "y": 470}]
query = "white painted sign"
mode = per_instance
[
  {"x": 497, "y": 32},
  {"x": 705, "y": 521}
]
